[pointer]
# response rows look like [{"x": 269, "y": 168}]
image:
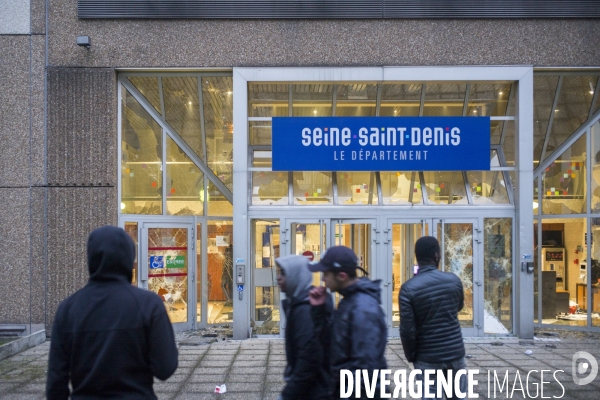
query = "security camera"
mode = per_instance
[{"x": 84, "y": 41}]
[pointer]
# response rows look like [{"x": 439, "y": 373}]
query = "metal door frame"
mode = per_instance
[
  {"x": 478, "y": 296},
  {"x": 478, "y": 267},
  {"x": 387, "y": 289},
  {"x": 191, "y": 267}
]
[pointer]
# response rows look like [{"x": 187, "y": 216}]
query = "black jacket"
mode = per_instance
[
  {"x": 109, "y": 338},
  {"x": 307, "y": 370},
  {"x": 429, "y": 326},
  {"x": 355, "y": 334}
]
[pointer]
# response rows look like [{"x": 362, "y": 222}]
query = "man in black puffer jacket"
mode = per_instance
[
  {"x": 356, "y": 333},
  {"x": 429, "y": 305},
  {"x": 110, "y": 339},
  {"x": 307, "y": 372}
]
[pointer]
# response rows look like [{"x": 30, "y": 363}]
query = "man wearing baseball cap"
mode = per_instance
[{"x": 355, "y": 334}]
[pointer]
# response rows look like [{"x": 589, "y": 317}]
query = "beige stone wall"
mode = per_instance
[
  {"x": 21, "y": 168},
  {"x": 229, "y": 43}
]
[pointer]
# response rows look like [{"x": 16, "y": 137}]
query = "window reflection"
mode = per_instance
[
  {"x": 401, "y": 188},
  {"x": 312, "y": 188},
  {"x": 563, "y": 181},
  {"x": 445, "y": 187},
  {"x": 359, "y": 188},
  {"x": 141, "y": 167},
  {"x": 269, "y": 188}
]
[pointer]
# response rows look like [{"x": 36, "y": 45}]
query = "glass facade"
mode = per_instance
[
  {"x": 494, "y": 99},
  {"x": 177, "y": 134},
  {"x": 565, "y": 157}
]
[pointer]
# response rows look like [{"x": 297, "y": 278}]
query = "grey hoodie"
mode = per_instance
[{"x": 297, "y": 276}]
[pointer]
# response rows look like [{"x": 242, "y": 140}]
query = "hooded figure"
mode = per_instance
[
  {"x": 307, "y": 372},
  {"x": 110, "y": 339}
]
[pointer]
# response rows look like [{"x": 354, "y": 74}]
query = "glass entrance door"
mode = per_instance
[
  {"x": 360, "y": 236},
  {"x": 402, "y": 237},
  {"x": 460, "y": 242},
  {"x": 167, "y": 268}
]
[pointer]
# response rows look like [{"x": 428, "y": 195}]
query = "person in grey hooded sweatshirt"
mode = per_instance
[{"x": 307, "y": 372}]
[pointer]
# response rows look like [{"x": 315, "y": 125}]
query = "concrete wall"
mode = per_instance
[
  {"x": 228, "y": 43},
  {"x": 81, "y": 173},
  {"x": 21, "y": 164}
]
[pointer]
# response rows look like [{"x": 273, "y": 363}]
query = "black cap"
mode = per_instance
[{"x": 336, "y": 258}]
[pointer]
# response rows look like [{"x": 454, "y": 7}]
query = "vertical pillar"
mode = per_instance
[
  {"x": 523, "y": 305},
  {"x": 241, "y": 306}
]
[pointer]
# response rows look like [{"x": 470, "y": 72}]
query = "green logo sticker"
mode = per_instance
[{"x": 175, "y": 261}]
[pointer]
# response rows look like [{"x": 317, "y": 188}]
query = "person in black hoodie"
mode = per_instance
[
  {"x": 429, "y": 327},
  {"x": 109, "y": 339},
  {"x": 356, "y": 333},
  {"x": 307, "y": 372}
]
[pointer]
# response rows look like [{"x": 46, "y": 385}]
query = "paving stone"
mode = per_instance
[
  {"x": 246, "y": 378},
  {"x": 198, "y": 378},
  {"x": 209, "y": 371},
  {"x": 214, "y": 363}
]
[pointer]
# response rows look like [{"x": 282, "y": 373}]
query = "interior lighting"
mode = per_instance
[
  {"x": 229, "y": 93},
  {"x": 500, "y": 93},
  {"x": 591, "y": 88},
  {"x": 122, "y": 206},
  {"x": 190, "y": 103},
  {"x": 535, "y": 205},
  {"x": 314, "y": 112}
]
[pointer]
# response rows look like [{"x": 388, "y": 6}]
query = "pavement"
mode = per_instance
[{"x": 253, "y": 369}]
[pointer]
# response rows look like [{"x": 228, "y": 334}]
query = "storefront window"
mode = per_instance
[
  {"x": 445, "y": 100},
  {"x": 265, "y": 249},
  {"x": 187, "y": 178},
  {"x": 312, "y": 100},
  {"x": 182, "y": 110},
  {"x": 488, "y": 99},
  {"x": 141, "y": 165},
  {"x": 219, "y": 248},
  {"x": 132, "y": 230},
  {"x": 312, "y": 188},
  {"x": 400, "y": 100},
  {"x": 544, "y": 89},
  {"x": 564, "y": 181},
  {"x": 357, "y": 188},
  {"x": 217, "y": 98},
  {"x": 575, "y": 96},
  {"x": 356, "y": 100},
  {"x": 269, "y": 188},
  {"x": 260, "y": 133},
  {"x": 268, "y": 100},
  {"x": 199, "y": 250},
  {"x": 563, "y": 271},
  {"x": 487, "y": 187},
  {"x": 595, "y": 163},
  {"x": 445, "y": 187},
  {"x": 401, "y": 188},
  {"x": 498, "y": 271},
  {"x": 218, "y": 205},
  {"x": 148, "y": 87},
  {"x": 185, "y": 183}
]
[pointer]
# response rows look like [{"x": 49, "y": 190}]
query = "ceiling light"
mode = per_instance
[{"x": 500, "y": 93}]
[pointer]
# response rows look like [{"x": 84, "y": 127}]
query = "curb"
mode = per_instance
[{"x": 22, "y": 344}]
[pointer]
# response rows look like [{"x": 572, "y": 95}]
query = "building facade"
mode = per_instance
[{"x": 162, "y": 123}]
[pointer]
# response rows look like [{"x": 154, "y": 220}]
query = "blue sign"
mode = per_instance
[
  {"x": 381, "y": 143},
  {"x": 240, "y": 288},
  {"x": 157, "y": 262}
]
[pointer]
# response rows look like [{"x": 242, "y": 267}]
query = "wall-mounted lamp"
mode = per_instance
[{"x": 84, "y": 41}]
